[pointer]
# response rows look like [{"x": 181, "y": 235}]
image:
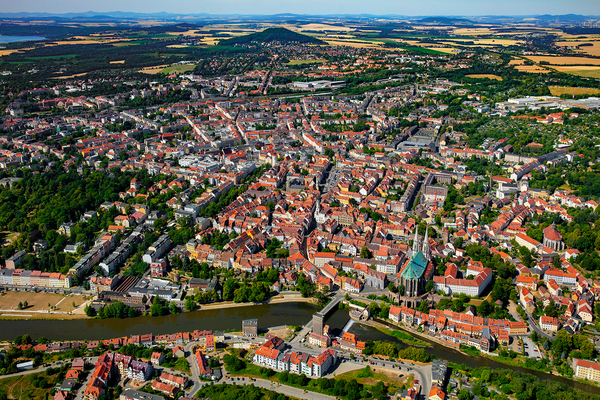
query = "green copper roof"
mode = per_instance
[{"x": 416, "y": 266}]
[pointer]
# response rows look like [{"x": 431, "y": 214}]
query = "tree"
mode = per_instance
[
  {"x": 89, "y": 311},
  {"x": 26, "y": 339},
  {"x": 401, "y": 289},
  {"x": 465, "y": 394},
  {"x": 430, "y": 285},
  {"x": 551, "y": 310},
  {"x": 25, "y": 304},
  {"x": 20, "y": 306},
  {"x": 485, "y": 309},
  {"x": 190, "y": 304},
  {"x": 364, "y": 252},
  {"x": 423, "y": 307}
]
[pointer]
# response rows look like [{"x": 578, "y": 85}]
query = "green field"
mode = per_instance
[
  {"x": 22, "y": 387},
  {"x": 301, "y": 62},
  {"x": 50, "y": 57},
  {"x": 179, "y": 68}
]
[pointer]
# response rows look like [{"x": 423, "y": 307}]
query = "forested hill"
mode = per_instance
[{"x": 270, "y": 35}]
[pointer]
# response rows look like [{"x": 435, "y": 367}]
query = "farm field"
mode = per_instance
[
  {"x": 534, "y": 69},
  {"x": 353, "y": 43},
  {"x": 593, "y": 50},
  {"x": 559, "y": 90},
  {"x": 565, "y": 60},
  {"x": 483, "y": 76},
  {"x": 153, "y": 70},
  {"x": 447, "y": 50},
  {"x": 580, "y": 70}
]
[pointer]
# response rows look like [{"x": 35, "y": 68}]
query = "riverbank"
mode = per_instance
[
  {"x": 79, "y": 314},
  {"x": 273, "y": 300},
  {"x": 508, "y": 362}
]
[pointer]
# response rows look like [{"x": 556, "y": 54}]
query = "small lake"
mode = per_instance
[{"x": 12, "y": 39}]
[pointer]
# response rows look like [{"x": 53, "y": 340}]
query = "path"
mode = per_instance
[{"x": 276, "y": 387}]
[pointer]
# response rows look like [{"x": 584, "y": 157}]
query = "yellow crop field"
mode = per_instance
[
  {"x": 559, "y": 90},
  {"x": 566, "y": 60},
  {"x": 191, "y": 32},
  {"x": 483, "y": 76},
  {"x": 7, "y": 52},
  {"x": 211, "y": 41},
  {"x": 517, "y": 61},
  {"x": 532, "y": 69},
  {"x": 153, "y": 70},
  {"x": 447, "y": 50},
  {"x": 118, "y": 62},
  {"x": 323, "y": 27},
  {"x": 593, "y": 50},
  {"x": 499, "y": 41},
  {"x": 70, "y": 76},
  {"x": 473, "y": 31},
  {"x": 580, "y": 70}
]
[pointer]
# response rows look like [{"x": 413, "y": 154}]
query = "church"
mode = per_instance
[{"x": 418, "y": 269}]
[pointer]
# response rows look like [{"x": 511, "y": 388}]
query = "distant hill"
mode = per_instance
[
  {"x": 446, "y": 21},
  {"x": 269, "y": 35},
  {"x": 184, "y": 27}
]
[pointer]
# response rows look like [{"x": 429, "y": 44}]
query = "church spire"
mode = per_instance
[
  {"x": 416, "y": 241},
  {"x": 425, "y": 247}
]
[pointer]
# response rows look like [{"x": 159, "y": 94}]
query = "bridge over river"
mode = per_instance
[{"x": 333, "y": 305}]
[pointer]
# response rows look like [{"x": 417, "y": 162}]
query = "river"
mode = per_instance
[
  {"x": 214, "y": 320},
  {"x": 12, "y": 39},
  {"x": 338, "y": 320},
  {"x": 231, "y": 318}
]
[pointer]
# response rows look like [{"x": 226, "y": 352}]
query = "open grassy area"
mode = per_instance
[
  {"x": 21, "y": 387},
  {"x": 179, "y": 68},
  {"x": 560, "y": 90},
  {"x": 404, "y": 337},
  {"x": 370, "y": 376},
  {"x": 50, "y": 57},
  {"x": 38, "y": 301},
  {"x": 8, "y": 237},
  {"x": 301, "y": 62},
  {"x": 181, "y": 365}
]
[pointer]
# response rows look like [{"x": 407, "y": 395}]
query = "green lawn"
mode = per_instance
[
  {"x": 300, "y": 62},
  {"x": 179, "y": 68}
]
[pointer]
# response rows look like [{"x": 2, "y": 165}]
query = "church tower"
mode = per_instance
[
  {"x": 425, "y": 247},
  {"x": 415, "y": 248}
]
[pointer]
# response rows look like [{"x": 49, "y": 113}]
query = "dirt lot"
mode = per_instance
[{"x": 38, "y": 301}]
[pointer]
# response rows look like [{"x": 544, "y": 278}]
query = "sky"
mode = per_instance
[{"x": 378, "y": 7}]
